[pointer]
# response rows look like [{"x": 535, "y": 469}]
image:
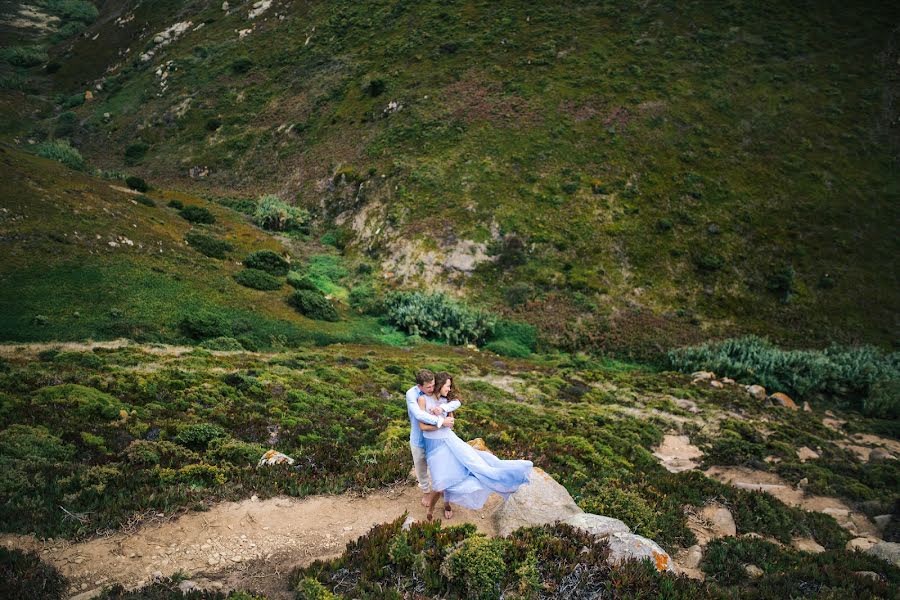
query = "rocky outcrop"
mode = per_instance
[
  {"x": 889, "y": 551},
  {"x": 597, "y": 525},
  {"x": 542, "y": 500},
  {"x": 758, "y": 392},
  {"x": 628, "y": 546},
  {"x": 783, "y": 400}
]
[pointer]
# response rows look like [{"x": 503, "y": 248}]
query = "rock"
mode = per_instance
[
  {"x": 273, "y": 457},
  {"x": 782, "y": 400},
  {"x": 728, "y": 381},
  {"x": 757, "y": 391},
  {"x": 868, "y": 575},
  {"x": 713, "y": 229},
  {"x": 703, "y": 375},
  {"x": 805, "y": 454},
  {"x": 882, "y": 521},
  {"x": 688, "y": 405},
  {"x": 259, "y": 8},
  {"x": 889, "y": 551},
  {"x": 538, "y": 502},
  {"x": 693, "y": 557},
  {"x": 597, "y": 525},
  {"x": 627, "y": 546},
  {"x": 478, "y": 444},
  {"x": 186, "y": 586},
  {"x": 156, "y": 576},
  {"x": 753, "y": 571},
  {"x": 862, "y": 544},
  {"x": 880, "y": 454},
  {"x": 803, "y": 483},
  {"x": 807, "y": 545},
  {"x": 720, "y": 519},
  {"x": 407, "y": 523},
  {"x": 716, "y": 384},
  {"x": 225, "y": 5},
  {"x": 806, "y": 407},
  {"x": 88, "y": 96}
]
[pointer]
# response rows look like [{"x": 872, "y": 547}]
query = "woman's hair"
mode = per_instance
[{"x": 440, "y": 379}]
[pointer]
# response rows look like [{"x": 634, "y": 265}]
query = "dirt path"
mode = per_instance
[
  {"x": 33, "y": 348},
  {"x": 250, "y": 544}
]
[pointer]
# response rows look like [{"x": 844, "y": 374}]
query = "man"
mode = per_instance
[{"x": 424, "y": 385}]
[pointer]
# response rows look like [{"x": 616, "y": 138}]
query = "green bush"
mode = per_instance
[
  {"x": 274, "y": 214},
  {"x": 847, "y": 373},
  {"x": 61, "y": 151},
  {"x": 523, "y": 334},
  {"x": 438, "y": 316},
  {"x": 313, "y": 305},
  {"x": 235, "y": 452},
  {"x": 197, "y": 214},
  {"x": 71, "y": 10},
  {"x": 478, "y": 564},
  {"x": 23, "y": 575},
  {"x": 73, "y": 100},
  {"x": 24, "y": 56},
  {"x": 300, "y": 281},
  {"x": 136, "y": 183},
  {"x": 176, "y": 204},
  {"x": 204, "y": 324},
  {"x": 883, "y": 401},
  {"x": 268, "y": 261},
  {"x": 222, "y": 343},
  {"x": 241, "y": 65},
  {"x": 208, "y": 245},
  {"x": 65, "y": 124},
  {"x": 134, "y": 153},
  {"x": 146, "y": 201},
  {"x": 257, "y": 280},
  {"x": 506, "y": 347},
  {"x": 199, "y": 435},
  {"x": 84, "y": 401},
  {"x": 622, "y": 504},
  {"x": 35, "y": 445},
  {"x": 310, "y": 589}
]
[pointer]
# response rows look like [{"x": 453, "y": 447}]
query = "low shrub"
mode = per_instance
[
  {"x": 65, "y": 124},
  {"x": 241, "y": 65},
  {"x": 23, "y": 575},
  {"x": 275, "y": 214},
  {"x": 176, "y": 204},
  {"x": 134, "y": 153},
  {"x": 477, "y": 563},
  {"x": 625, "y": 505},
  {"x": 204, "y": 324},
  {"x": 145, "y": 200},
  {"x": 523, "y": 334},
  {"x": 507, "y": 347},
  {"x": 301, "y": 281},
  {"x": 83, "y": 401},
  {"x": 235, "y": 452},
  {"x": 198, "y": 435},
  {"x": 208, "y": 245},
  {"x": 268, "y": 261},
  {"x": 258, "y": 280},
  {"x": 437, "y": 316},
  {"x": 313, "y": 305},
  {"x": 222, "y": 343},
  {"x": 197, "y": 214},
  {"x": 848, "y": 373},
  {"x": 24, "y": 56},
  {"x": 136, "y": 183},
  {"x": 61, "y": 151}
]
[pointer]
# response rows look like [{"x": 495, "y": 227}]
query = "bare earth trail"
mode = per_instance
[{"x": 252, "y": 544}]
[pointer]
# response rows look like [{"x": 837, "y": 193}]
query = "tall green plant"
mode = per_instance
[{"x": 437, "y": 316}]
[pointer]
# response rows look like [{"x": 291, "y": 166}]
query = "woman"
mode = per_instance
[{"x": 464, "y": 475}]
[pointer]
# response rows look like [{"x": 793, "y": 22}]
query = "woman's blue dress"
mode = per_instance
[{"x": 468, "y": 476}]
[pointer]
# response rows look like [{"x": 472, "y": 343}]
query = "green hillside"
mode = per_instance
[{"x": 689, "y": 169}]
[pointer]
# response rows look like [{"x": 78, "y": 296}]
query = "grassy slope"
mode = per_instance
[
  {"x": 56, "y": 228},
  {"x": 582, "y": 129}
]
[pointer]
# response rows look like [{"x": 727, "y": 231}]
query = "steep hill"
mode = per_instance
[
  {"x": 87, "y": 258},
  {"x": 626, "y": 177}
]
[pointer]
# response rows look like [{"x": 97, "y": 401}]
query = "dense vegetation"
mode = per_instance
[{"x": 626, "y": 168}]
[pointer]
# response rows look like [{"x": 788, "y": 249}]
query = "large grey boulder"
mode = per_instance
[
  {"x": 597, "y": 525},
  {"x": 628, "y": 546},
  {"x": 889, "y": 551},
  {"x": 542, "y": 500}
]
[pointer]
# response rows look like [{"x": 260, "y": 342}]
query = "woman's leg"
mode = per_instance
[{"x": 435, "y": 496}]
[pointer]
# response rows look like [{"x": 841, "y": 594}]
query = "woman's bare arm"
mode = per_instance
[{"x": 425, "y": 426}]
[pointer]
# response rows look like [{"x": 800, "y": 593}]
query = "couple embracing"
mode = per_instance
[{"x": 460, "y": 473}]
